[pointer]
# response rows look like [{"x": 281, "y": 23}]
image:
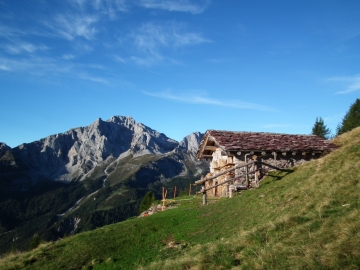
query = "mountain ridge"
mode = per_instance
[
  {"x": 72, "y": 154},
  {"x": 88, "y": 177}
]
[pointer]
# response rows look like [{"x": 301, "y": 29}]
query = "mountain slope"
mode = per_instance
[
  {"x": 300, "y": 218},
  {"x": 87, "y": 177}
]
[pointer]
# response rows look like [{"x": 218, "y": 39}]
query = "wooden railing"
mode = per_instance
[{"x": 203, "y": 180}]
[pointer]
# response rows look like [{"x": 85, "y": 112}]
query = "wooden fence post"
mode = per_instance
[
  {"x": 256, "y": 179},
  {"x": 247, "y": 176},
  {"x": 164, "y": 194},
  {"x": 228, "y": 190},
  {"x": 204, "y": 194}
]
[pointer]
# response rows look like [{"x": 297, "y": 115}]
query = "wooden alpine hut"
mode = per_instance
[{"x": 239, "y": 160}]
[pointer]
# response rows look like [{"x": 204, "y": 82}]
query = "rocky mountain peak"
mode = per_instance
[
  {"x": 127, "y": 121},
  {"x": 3, "y": 148},
  {"x": 73, "y": 154},
  {"x": 191, "y": 142}
]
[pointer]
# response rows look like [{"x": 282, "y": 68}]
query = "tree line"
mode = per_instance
[{"x": 350, "y": 121}]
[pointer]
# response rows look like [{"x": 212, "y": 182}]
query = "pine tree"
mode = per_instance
[
  {"x": 147, "y": 201},
  {"x": 35, "y": 242},
  {"x": 320, "y": 129},
  {"x": 351, "y": 119}
]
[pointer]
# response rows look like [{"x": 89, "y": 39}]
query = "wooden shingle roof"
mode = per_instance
[{"x": 262, "y": 141}]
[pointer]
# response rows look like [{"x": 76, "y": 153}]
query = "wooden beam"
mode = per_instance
[
  {"x": 206, "y": 156},
  {"x": 206, "y": 189},
  {"x": 202, "y": 145},
  {"x": 231, "y": 179},
  {"x": 211, "y": 148}
]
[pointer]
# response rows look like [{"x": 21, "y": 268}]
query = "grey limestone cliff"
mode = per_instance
[{"x": 72, "y": 155}]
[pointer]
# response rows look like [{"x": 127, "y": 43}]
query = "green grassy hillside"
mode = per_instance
[
  {"x": 93, "y": 201},
  {"x": 305, "y": 218}
]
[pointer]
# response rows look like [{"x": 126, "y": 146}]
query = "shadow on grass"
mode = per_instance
[{"x": 280, "y": 174}]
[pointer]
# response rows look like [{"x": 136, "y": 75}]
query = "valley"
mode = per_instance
[{"x": 87, "y": 177}]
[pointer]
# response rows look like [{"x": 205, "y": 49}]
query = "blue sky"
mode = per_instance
[{"x": 176, "y": 66}]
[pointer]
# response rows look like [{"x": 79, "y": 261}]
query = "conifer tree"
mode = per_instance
[
  {"x": 147, "y": 201},
  {"x": 35, "y": 242},
  {"x": 351, "y": 119},
  {"x": 320, "y": 129}
]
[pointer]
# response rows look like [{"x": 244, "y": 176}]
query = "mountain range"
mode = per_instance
[{"x": 88, "y": 177}]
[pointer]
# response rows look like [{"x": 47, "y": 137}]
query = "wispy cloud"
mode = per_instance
[
  {"x": 109, "y": 8},
  {"x": 94, "y": 79},
  {"x": 200, "y": 98},
  {"x": 151, "y": 39},
  {"x": 21, "y": 47},
  {"x": 33, "y": 65},
  {"x": 68, "y": 56},
  {"x": 72, "y": 26},
  {"x": 4, "y": 67},
  {"x": 119, "y": 59},
  {"x": 352, "y": 83},
  {"x": 175, "y": 5},
  {"x": 149, "y": 60},
  {"x": 187, "y": 39},
  {"x": 10, "y": 32},
  {"x": 41, "y": 66}
]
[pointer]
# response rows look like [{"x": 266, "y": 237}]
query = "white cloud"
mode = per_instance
[
  {"x": 352, "y": 83},
  {"x": 33, "y": 65},
  {"x": 149, "y": 36},
  {"x": 109, "y": 8},
  {"x": 68, "y": 56},
  {"x": 151, "y": 39},
  {"x": 5, "y": 68},
  {"x": 147, "y": 60},
  {"x": 93, "y": 79},
  {"x": 72, "y": 26},
  {"x": 119, "y": 59},
  {"x": 200, "y": 98},
  {"x": 23, "y": 47},
  {"x": 41, "y": 66},
  {"x": 188, "y": 39},
  {"x": 174, "y": 5},
  {"x": 10, "y": 32}
]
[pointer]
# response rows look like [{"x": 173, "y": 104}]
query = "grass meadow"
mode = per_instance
[{"x": 304, "y": 218}]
